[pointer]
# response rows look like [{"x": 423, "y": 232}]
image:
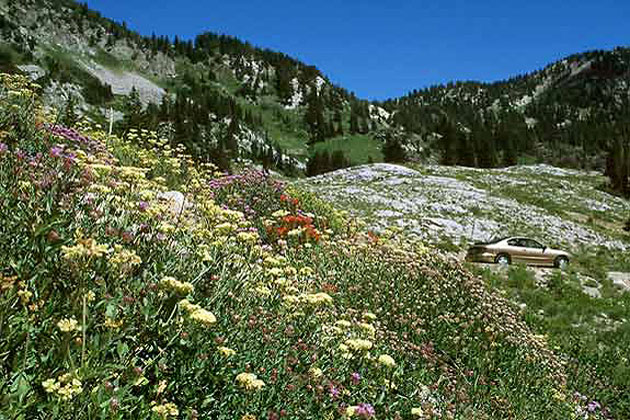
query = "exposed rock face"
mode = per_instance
[
  {"x": 621, "y": 280},
  {"x": 463, "y": 204},
  {"x": 33, "y": 71},
  {"x": 123, "y": 82}
]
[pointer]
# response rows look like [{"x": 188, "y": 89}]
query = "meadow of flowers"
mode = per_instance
[{"x": 138, "y": 282}]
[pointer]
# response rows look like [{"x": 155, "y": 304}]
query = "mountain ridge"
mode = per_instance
[{"x": 566, "y": 113}]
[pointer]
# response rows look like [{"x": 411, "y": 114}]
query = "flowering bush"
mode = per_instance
[{"x": 137, "y": 282}]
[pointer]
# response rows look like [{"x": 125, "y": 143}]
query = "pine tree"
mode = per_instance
[{"x": 132, "y": 108}]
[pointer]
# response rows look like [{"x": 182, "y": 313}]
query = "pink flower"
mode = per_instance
[
  {"x": 355, "y": 378},
  {"x": 55, "y": 151},
  {"x": 365, "y": 411}
]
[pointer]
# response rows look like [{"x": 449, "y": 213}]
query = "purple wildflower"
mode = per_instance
[
  {"x": 593, "y": 406},
  {"x": 3, "y": 148},
  {"x": 55, "y": 151},
  {"x": 355, "y": 378},
  {"x": 365, "y": 411},
  {"x": 333, "y": 391},
  {"x": 143, "y": 205}
]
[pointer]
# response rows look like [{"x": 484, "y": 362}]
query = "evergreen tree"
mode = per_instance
[{"x": 393, "y": 150}]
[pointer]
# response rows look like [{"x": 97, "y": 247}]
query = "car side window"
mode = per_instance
[
  {"x": 530, "y": 243},
  {"x": 515, "y": 242}
]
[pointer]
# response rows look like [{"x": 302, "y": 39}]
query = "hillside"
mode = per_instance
[
  {"x": 582, "y": 310},
  {"x": 569, "y": 113},
  {"x": 222, "y": 97},
  {"x": 228, "y": 100},
  {"x": 139, "y": 282},
  {"x": 461, "y": 205}
]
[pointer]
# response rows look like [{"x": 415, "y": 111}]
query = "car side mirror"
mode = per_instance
[{"x": 544, "y": 248}]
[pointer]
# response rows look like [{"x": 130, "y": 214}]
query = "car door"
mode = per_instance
[
  {"x": 517, "y": 250},
  {"x": 534, "y": 252}
]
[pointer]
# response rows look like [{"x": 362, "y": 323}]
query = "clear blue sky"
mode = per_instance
[{"x": 383, "y": 49}]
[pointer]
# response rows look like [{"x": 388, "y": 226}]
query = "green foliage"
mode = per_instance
[{"x": 589, "y": 331}]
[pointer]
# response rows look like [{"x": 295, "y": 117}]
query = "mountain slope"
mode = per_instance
[
  {"x": 569, "y": 112},
  {"x": 220, "y": 96}
]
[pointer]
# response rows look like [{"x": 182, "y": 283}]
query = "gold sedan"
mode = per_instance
[{"x": 517, "y": 250}]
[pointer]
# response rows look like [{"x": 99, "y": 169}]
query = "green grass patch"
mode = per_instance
[{"x": 358, "y": 148}]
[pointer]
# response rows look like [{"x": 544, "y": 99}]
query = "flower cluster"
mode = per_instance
[
  {"x": 249, "y": 382},
  {"x": 173, "y": 285},
  {"x": 66, "y": 386},
  {"x": 198, "y": 314}
]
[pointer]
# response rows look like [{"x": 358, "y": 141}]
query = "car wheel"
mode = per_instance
[
  {"x": 561, "y": 262},
  {"x": 502, "y": 259}
]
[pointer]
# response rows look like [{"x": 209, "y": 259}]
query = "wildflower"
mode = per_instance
[
  {"x": 263, "y": 291},
  {"x": 355, "y": 378},
  {"x": 90, "y": 296},
  {"x": 593, "y": 406},
  {"x": 317, "y": 299},
  {"x": 204, "y": 317},
  {"x": 369, "y": 316},
  {"x": 386, "y": 361},
  {"x": 333, "y": 391},
  {"x": 368, "y": 328},
  {"x": 165, "y": 410},
  {"x": 66, "y": 386},
  {"x": 123, "y": 257},
  {"x": 50, "y": 385},
  {"x": 85, "y": 248},
  {"x": 249, "y": 381},
  {"x": 3, "y": 148},
  {"x": 112, "y": 323},
  {"x": 174, "y": 285},
  {"x": 364, "y": 411},
  {"x": 342, "y": 323},
  {"x": 68, "y": 325},
  {"x": 25, "y": 296},
  {"x": 315, "y": 372},
  {"x": 359, "y": 344},
  {"x": 417, "y": 412},
  {"x": 226, "y": 351},
  {"x": 55, "y": 151},
  {"x": 248, "y": 417}
]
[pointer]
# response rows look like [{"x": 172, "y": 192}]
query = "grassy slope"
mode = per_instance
[
  {"x": 312, "y": 315},
  {"x": 358, "y": 148},
  {"x": 592, "y": 333}
]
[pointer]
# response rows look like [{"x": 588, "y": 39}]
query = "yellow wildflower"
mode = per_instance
[
  {"x": 50, "y": 385},
  {"x": 315, "y": 372},
  {"x": 25, "y": 296},
  {"x": 170, "y": 283},
  {"x": 359, "y": 344},
  {"x": 204, "y": 317},
  {"x": 68, "y": 325},
  {"x": 320, "y": 298},
  {"x": 417, "y": 412},
  {"x": 386, "y": 360},
  {"x": 369, "y": 316},
  {"x": 112, "y": 323},
  {"x": 342, "y": 323},
  {"x": 249, "y": 381},
  {"x": 166, "y": 410},
  {"x": 226, "y": 351},
  {"x": 368, "y": 328}
]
